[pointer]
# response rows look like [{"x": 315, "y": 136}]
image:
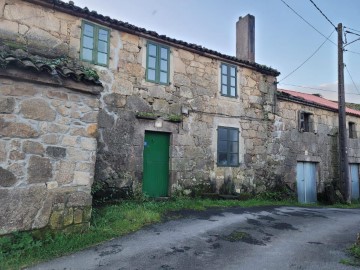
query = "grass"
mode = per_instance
[
  {"x": 354, "y": 253},
  {"x": 24, "y": 249}
]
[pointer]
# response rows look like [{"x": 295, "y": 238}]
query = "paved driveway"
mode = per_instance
[{"x": 233, "y": 238}]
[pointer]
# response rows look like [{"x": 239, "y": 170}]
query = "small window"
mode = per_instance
[
  {"x": 352, "y": 130},
  {"x": 228, "y": 147},
  {"x": 95, "y": 44},
  {"x": 228, "y": 81},
  {"x": 305, "y": 122},
  {"x": 157, "y": 63}
]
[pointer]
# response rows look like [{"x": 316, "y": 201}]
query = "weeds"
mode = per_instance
[{"x": 28, "y": 248}]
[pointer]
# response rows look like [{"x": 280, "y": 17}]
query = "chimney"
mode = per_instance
[{"x": 245, "y": 38}]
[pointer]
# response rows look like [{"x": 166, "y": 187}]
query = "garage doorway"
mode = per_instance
[{"x": 306, "y": 182}]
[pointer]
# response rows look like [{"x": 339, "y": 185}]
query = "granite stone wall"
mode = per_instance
[
  {"x": 47, "y": 155},
  {"x": 320, "y": 145}
]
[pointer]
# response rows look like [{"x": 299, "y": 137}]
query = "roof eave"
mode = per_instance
[{"x": 131, "y": 29}]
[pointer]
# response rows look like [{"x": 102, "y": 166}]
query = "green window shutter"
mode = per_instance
[
  {"x": 95, "y": 44},
  {"x": 157, "y": 63},
  {"x": 228, "y": 147},
  {"x": 228, "y": 81}
]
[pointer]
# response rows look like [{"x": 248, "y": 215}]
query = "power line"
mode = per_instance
[
  {"x": 352, "y": 29},
  {"x": 307, "y": 22},
  {"x": 303, "y": 63},
  {"x": 357, "y": 89},
  {"x": 352, "y": 52},
  {"x": 308, "y": 87},
  {"x": 322, "y": 13},
  {"x": 351, "y": 42},
  {"x": 352, "y": 33},
  {"x": 313, "y": 88}
]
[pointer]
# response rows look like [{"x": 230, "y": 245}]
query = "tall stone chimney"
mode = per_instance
[{"x": 245, "y": 38}]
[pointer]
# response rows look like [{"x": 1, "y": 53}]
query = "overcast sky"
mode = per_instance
[{"x": 283, "y": 40}]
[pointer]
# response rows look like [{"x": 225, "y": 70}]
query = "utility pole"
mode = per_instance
[{"x": 344, "y": 161}]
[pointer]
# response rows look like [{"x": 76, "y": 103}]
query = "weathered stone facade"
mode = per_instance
[
  {"x": 47, "y": 155},
  {"x": 320, "y": 145},
  {"x": 194, "y": 85},
  {"x": 56, "y": 134}
]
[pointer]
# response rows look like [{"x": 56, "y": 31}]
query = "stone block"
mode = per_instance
[
  {"x": 79, "y": 199},
  {"x": 78, "y": 155},
  {"x": 135, "y": 103},
  {"x": 22, "y": 90},
  {"x": 40, "y": 41},
  {"x": 88, "y": 143},
  {"x": 31, "y": 147},
  {"x": 7, "y": 178},
  {"x": 16, "y": 155},
  {"x": 57, "y": 95},
  {"x": 85, "y": 167},
  {"x": 52, "y": 185},
  {"x": 82, "y": 178},
  {"x": 55, "y": 128},
  {"x": 17, "y": 130},
  {"x": 68, "y": 216},
  {"x": 3, "y": 151},
  {"x": 91, "y": 130},
  {"x": 56, "y": 152},
  {"x": 37, "y": 109},
  {"x": 7, "y": 104},
  {"x": 50, "y": 139},
  {"x": 78, "y": 216},
  {"x": 90, "y": 117},
  {"x": 39, "y": 170},
  {"x": 19, "y": 207},
  {"x": 56, "y": 219},
  {"x": 91, "y": 102},
  {"x": 70, "y": 140}
]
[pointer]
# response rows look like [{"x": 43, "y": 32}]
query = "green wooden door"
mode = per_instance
[{"x": 156, "y": 164}]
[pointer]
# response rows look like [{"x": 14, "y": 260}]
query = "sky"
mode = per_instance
[{"x": 283, "y": 40}]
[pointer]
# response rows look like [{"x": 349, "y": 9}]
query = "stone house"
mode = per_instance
[
  {"x": 305, "y": 144},
  {"x": 85, "y": 98}
]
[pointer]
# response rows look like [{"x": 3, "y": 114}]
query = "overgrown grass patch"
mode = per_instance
[{"x": 23, "y": 249}]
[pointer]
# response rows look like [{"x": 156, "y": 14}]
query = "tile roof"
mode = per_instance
[
  {"x": 56, "y": 67},
  {"x": 311, "y": 99},
  {"x": 124, "y": 26}
]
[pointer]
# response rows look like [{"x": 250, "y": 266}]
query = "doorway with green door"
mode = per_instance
[{"x": 156, "y": 164}]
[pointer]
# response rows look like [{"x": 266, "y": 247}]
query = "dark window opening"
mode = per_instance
[
  {"x": 305, "y": 122},
  {"x": 228, "y": 147},
  {"x": 352, "y": 130}
]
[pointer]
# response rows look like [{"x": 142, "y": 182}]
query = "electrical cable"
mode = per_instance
[
  {"x": 352, "y": 29},
  {"x": 322, "y": 13},
  {"x": 307, "y": 22},
  {"x": 313, "y": 88},
  {"x": 357, "y": 89},
  {"x": 352, "y": 33},
  {"x": 303, "y": 63}
]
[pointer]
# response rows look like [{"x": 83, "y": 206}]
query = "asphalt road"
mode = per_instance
[{"x": 236, "y": 238}]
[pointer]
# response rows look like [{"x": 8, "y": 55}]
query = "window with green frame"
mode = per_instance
[
  {"x": 228, "y": 147},
  {"x": 95, "y": 44},
  {"x": 228, "y": 80},
  {"x": 157, "y": 63}
]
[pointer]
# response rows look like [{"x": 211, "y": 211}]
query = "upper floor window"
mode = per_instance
[
  {"x": 228, "y": 147},
  {"x": 305, "y": 122},
  {"x": 95, "y": 44},
  {"x": 157, "y": 63},
  {"x": 228, "y": 80},
  {"x": 352, "y": 130}
]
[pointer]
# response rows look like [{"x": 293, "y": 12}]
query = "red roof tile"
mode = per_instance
[{"x": 319, "y": 101}]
